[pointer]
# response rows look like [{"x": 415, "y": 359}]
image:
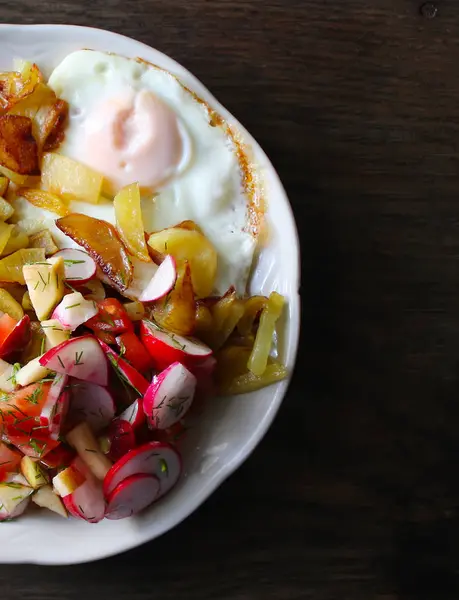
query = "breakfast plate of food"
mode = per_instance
[{"x": 149, "y": 308}]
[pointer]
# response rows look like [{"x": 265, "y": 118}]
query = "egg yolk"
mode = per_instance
[{"x": 133, "y": 137}]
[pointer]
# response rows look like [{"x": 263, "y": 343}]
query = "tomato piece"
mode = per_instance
[
  {"x": 14, "y": 335},
  {"x": 35, "y": 446},
  {"x": 134, "y": 351},
  {"x": 59, "y": 457},
  {"x": 20, "y": 411},
  {"x": 9, "y": 460},
  {"x": 112, "y": 318}
]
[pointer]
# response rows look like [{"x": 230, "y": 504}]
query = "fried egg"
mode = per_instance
[{"x": 132, "y": 121}]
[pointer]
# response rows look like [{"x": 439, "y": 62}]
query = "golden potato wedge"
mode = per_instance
[
  {"x": 193, "y": 246},
  {"x": 69, "y": 179},
  {"x": 10, "y": 306},
  {"x": 44, "y": 199},
  {"x": 43, "y": 239},
  {"x": 11, "y": 266},
  {"x": 5, "y": 234},
  {"x": 17, "y": 240},
  {"x": 177, "y": 311},
  {"x": 264, "y": 339},
  {"x": 16, "y": 178},
  {"x": 129, "y": 221}
]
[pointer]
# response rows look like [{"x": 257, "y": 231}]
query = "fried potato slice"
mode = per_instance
[
  {"x": 101, "y": 241},
  {"x": 15, "y": 86},
  {"x": 10, "y": 306},
  {"x": 129, "y": 221},
  {"x": 44, "y": 199},
  {"x": 18, "y": 148}
]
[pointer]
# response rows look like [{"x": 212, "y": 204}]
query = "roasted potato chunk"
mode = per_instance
[
  {"x": 18, "y": 148},
  {"x": 177, "y": 311},
  {"x": 5, "y": 234},
  {"x": 11, "y": 266},
  {"x": 43, "y": 239},
  {"x": 18, "y": 239},
  {"x": 101, "y": 241},
  {"x": 193, "y": 246},
  {"x": 70, "y": 179}
]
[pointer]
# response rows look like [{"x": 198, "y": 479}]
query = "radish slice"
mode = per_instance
[
  {"x": 166, "y": 348},
  {"x": 87, "y": 502},
  {"x": 55, "y": 408},
  {"x": 134, "y": 414},
  {"x": 81, "y": 357},
  {"x": 74, "y": 310},
  {"x": 162, "y": 281},
  {"x": 154, "y": 458},
  {"x": 169, "y": 396},
  {"x": 78, "y": 265},
  {"x": 91, "y": 403},
  {"x": 132, "y": 495},
  {"x": 16, "y": 512},
  {"x": 120, "y": 438},
  {"x": 125, "y": 371}
]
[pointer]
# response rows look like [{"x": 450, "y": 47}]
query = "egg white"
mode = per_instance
[{"x": 207, "y": 187}]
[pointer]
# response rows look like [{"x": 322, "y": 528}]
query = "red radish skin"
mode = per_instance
[
  {"x": 154, "y": 458},
  {"x": 80, "y": 357},
  {"x": 169, "y": 396},
  {"x": 121, "y": 439},
  {"x": 134, "y": 414},
  {"x": 78, "y": 265},
  {"x": 74, "y": 310},
  {"x": 87, "y": 502},
  {"x": 62, "y": 407},
  {"x": 166, "y": 348},
  {"x": 162, "y": 281},
  {"x": 125, "y": 370},
  {"x": 132, "y": 495},
  {"x": 91, "y": 403}
]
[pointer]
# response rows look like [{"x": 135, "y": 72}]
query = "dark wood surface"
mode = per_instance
[{"x": 354, "y": 492}]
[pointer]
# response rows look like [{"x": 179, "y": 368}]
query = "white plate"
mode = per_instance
[{"x": 231, "y": 428}]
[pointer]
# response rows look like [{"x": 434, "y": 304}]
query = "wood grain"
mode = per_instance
[{"x": 353, "y": 494}]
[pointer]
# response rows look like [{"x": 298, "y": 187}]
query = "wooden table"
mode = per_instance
[{"x": 353, "y": 493}]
